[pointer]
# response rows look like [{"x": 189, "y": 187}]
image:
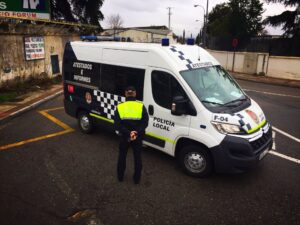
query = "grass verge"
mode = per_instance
[{"x": 12, "y": 91}]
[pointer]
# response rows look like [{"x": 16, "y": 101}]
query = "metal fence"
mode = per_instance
[{"x": 276, "y": 46}]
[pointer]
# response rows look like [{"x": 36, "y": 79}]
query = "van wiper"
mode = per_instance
[
  {"x": 215, "y": 103},
  {"x": 232, "y": 103}
]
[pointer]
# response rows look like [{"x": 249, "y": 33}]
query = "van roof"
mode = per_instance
[{"x": 179, "y": 57}]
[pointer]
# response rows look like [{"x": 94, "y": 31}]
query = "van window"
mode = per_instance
[
  {"x": 115, "y": 79},
  {"x": 164, "y": 88}
]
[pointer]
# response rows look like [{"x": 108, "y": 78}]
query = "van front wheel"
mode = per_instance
[
  {"x": 85, "y": 122},
  {"x": 195, "y": 161}
]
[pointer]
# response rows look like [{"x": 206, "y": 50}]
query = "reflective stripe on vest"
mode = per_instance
[{"x": 130, "y": 110}]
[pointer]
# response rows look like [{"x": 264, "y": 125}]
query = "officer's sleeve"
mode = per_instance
[
  {"x": 118, "y": 125},
  {"x": 144, "y": 121}
]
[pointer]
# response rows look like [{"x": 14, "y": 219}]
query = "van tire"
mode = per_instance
[
  {"x": 195, "y": 161},
  {"x": 85, "y": 122}
]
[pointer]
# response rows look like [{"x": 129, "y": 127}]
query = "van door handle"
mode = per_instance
[{"x": 151, "y": 110}]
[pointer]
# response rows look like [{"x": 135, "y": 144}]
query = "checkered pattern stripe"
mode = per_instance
[
  {"x": 108, "y": 103},
  {"x": 245, "y": 126},
  {"x": 182, "y": 57}
]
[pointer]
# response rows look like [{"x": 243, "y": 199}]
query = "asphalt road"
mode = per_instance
[{"x": 62, "y": 176}]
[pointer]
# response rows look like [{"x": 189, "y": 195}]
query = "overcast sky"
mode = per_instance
[{"x": 184, "y": 15}]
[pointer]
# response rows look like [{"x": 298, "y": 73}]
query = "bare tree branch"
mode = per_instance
[{"x": 115, "y": 21}]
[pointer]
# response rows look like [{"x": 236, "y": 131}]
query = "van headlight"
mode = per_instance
[{"x": 225, "y": 128}]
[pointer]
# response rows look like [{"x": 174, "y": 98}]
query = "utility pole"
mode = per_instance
[
  {"x": 206, "y": 23},
  {"x": 169, "y": 13}
]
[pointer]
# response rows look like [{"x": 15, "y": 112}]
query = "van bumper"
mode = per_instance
[{"x": 236, "y": 155}]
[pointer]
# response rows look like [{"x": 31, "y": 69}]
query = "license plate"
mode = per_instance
[{"x": 263, "y": 154}]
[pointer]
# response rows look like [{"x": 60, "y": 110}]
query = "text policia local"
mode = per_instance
[{"x": 163, "y": 124}]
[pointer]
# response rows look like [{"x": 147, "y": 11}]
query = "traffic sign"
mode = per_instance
[{"x": 235, "y": 42}]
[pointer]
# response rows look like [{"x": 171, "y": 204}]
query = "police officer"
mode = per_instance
[{"x": 131, "y": 120}]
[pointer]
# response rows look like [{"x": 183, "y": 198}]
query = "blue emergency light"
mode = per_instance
[
  {"x": 190, "y": 41},
  {"x": 165, "y": 42},
  {"x": 88, "y": 38}
]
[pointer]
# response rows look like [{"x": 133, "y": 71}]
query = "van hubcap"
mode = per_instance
[
  {"x": 85, "y": 122},
  {"x": 194, "y": 162}
]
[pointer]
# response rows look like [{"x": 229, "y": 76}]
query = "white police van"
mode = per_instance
[{"x": 197, "y": 112}]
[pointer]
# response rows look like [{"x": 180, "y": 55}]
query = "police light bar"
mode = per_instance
[
  {"x": 190, "y": 41},
  {"x": 88, "y": 38},
  {"x": 99, "y": 38},
  {"x": 165, "y": 42},
  {"x": 107, "y": 38}
]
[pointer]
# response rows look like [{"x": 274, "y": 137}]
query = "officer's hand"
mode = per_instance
[{"x": 133, "y": 135}]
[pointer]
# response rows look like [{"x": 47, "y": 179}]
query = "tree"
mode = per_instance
[
  {"x": 115, "y": 21},
  {"x": 199, "y": 38},
  {"x": 237, "y": 18},
  {"x": 61, "y": 10},
  {"x": 289, "y": 19},
  {"x": 218, "y": 20},
  {"x": 88, "y": 11},
  {"x": 83, "y": 11}
]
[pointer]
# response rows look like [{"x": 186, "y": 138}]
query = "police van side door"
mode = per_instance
[{"x": 164, "y": 127}]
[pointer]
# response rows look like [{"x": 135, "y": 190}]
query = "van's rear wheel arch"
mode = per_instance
[{"x": 189, "y": 150}]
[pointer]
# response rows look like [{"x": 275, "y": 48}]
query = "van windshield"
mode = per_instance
[{"x": 214, "y": 87}]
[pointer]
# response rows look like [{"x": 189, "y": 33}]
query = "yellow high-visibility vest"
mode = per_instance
[{"x": 130, "y": 110}]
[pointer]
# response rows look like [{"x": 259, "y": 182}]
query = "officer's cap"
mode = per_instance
[{"x": 130, "y": 89}]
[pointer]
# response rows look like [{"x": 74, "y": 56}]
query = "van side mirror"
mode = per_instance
[{"x": 179, "y": 106}]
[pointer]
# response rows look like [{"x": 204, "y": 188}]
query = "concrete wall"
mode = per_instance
[
  {"x": 284, "y": 67},
  {"x": 12, "y": 57},
  {"x": 258, "y": 63}
]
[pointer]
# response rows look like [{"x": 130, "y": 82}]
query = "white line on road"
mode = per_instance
[
  {"x": 285, "y": 157},
  {"x": 273, "y": 136},
  {"x": 36, "y": 103},
  {"x": 280, "y": 155},
  {"x": 286, "y": 134},
  {"x": 271, "y": 93}
]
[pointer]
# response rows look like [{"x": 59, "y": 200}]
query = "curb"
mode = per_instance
[
  {"x": 267, "y": 80},
  {"x": 29, "y": 107}
]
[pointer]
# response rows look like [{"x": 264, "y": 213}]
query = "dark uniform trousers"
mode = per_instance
[{"x": 123, "y": 149}]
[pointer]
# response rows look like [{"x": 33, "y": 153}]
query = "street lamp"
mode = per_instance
[
  {"x": 204, "y": 23},
  {"x": 205, "y": 20}
]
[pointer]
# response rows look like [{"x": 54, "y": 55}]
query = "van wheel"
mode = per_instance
[
  {"x": 85, "y": 122},
  {"x": 195, "y": 161}
]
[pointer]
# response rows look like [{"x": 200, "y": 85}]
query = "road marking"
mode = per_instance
[
  {"x": 286, "y": 134},
  {"x": 273, "y": 151},
  {"x": 66, "y": 130},
  {"x": 34, "y": 139},
  {"x": 273, "y": 136},
  {"x": 285, "y": 157},
  {"x": 5, "y": 125},
  {"x": 36, "y": 103},
  {"x": 271, "y": 93},
  {"x": 52, "y": 109},
  {"x": 54, "y": 120}
]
